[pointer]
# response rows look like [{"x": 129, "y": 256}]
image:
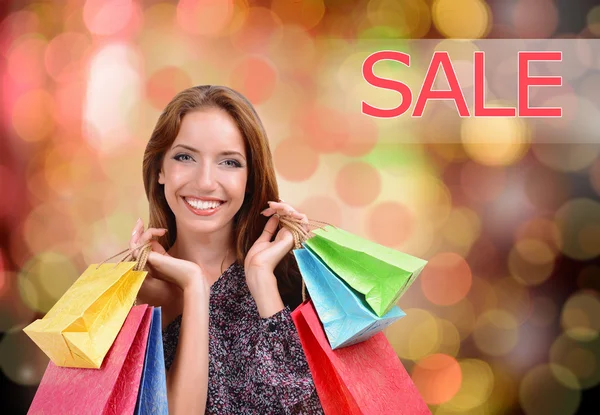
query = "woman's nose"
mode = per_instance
[{"x": 207, "y": 178}]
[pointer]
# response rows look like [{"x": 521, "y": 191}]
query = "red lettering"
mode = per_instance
[
  {"x": 525, "y": 81},
  {"x": 371, "y": 78},
  {"x": 454, "y": 93},
  {"x": 479, "y": 91}
]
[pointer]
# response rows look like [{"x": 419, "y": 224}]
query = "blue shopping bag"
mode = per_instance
[
  {"x": 152, "y": 398},
  {"x": 346, "y": 317}
]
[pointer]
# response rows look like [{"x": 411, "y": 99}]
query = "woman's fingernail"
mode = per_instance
[{"x": 134, "y": 232}]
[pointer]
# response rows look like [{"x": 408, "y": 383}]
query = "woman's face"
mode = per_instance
[{"x": 205, "y": 171}]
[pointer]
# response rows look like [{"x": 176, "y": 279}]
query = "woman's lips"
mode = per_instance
[{"x": 203, "y": 212}]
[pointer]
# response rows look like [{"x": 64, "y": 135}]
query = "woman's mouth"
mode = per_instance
[{"x": 201, "y": 207}]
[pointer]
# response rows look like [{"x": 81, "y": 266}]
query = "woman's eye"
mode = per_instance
[
  {"x": 232, "y": 163},
  {"x": 182, "y": 157}
]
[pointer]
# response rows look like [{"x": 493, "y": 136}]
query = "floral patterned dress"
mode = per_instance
[{"x": 256, "y": 365}]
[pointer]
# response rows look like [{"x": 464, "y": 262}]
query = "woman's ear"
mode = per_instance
[{"x": 161, "y": 177}]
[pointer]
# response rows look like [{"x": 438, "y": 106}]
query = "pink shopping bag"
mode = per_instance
[{"x": 112, "y": 389}]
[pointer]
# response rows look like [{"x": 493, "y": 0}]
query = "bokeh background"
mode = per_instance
[{"x": 505, "y": 319}]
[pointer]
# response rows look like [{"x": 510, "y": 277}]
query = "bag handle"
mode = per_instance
[
  {"x": 298, "y": 230},
  {"x": 141, "y": 261}
]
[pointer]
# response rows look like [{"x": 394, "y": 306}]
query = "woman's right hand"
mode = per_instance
[{"x": 163, "y": 267}]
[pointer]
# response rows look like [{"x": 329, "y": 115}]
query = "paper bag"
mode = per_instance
[
  {"x": 110, "y": 390},
  {"x": 380, "y": 273},
  {"x": 346, "y": 318},
  {"x": 80, "y": 328},
  {"x": 152, "y": 398},
  {"x": 364, "y": 379}
]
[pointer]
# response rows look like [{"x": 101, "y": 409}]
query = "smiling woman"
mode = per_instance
[{"x": 220, "y": 266}]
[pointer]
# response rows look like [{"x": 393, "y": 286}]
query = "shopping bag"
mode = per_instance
[
  {"x": 380, "y": 273},
  {"x": 80, "y": 328},
  {"x": 152, "y": 397},
  {"x": 346, "y": 318},
  {"x": 364, "y": 379},
  {"x": 111, "y": 389}
]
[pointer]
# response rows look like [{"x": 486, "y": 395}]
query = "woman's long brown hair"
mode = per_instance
[{"x": 261, "y": 186}]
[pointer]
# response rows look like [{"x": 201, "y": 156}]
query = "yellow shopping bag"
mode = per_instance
[{"x": 83, "y": 324}]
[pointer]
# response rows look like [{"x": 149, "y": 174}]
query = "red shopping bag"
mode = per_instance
[
  {"x": 366, "y": 378},
  {"x": 112, "y": 389}
]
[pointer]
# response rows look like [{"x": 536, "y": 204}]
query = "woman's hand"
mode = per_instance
[
  {"x": 266, "y": 254},
  {"x": 165, "y": 271}
]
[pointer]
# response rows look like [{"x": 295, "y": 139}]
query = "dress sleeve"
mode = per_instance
[{"x": 281, "y": 363}]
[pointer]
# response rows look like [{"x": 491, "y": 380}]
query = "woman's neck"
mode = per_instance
[{"x": 211, "y": 251}]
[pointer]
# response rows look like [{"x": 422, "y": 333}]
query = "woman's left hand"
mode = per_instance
[{"x": 265, "y": 254}]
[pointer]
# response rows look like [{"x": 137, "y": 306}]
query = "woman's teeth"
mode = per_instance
[{"x": 200, "y": 205}]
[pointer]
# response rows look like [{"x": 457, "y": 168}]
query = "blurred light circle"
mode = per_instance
[
  {"x": 476, "y": 388},
  {"x": 580, "y": 316},
  {"x": 462, "y": 229},
  {"x": 322, "y": 128},
  {"x": 363, "y": 135},
  {"x": 165, "y": 83},
  {"x": 446, "y": 279},
  {"x": 416, "y": 337},
  {"x": 438, "y": 378},
  {"x": 205, "y": 17},
  {"x": 45, "y": 278},
  {"x": 409, "y": 18},
  {"x": 106, "y": 17},
  {"x": 496, "y": 332},
  {"x": 495, "y": 141},
  {"x": 323, "y": 208},
  {"x": 358, "y": 184},
  {"x": 531, "y": 261},
  {"x": 296, "y": 52},
  {"x": 390, "y": 223},
  {"x": 482, "y": 183},
  {"x": 579, "y": 222},
  {"x": 25, "y": 60},
  {"x": 593, "y": 20},
  {"x": 482, "y": 295},
  {"x": 65, "y": 54},
  {"x": 294, "y": 160},
  {"x": 540, "y": 229},
  {"x": 545, "y": 188},
  {"x": 462, "y": 315},
  {"x": 463, "y": 19},
  {"x": 580, "y": 357},
  {"x": 566, "y": 158},
  {"x": 450, "y": 342},
  {"x": 33, "y": 115},
  {"x": 540, "y": 393},
  {"x": 255, "y": 78},
  {"x": 430, "y": 197},
  {"x": 260, "y": 30},
  {"x": 543, "y": 312},
  {"x": 306, "y": 14},
  {"x": 537, "y": 19},
  {"x": 20, "y": 358},
  {"x": 505, "y": 392}
]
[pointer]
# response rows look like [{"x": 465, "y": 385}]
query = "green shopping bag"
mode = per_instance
[{"x": 382, "y": 274}]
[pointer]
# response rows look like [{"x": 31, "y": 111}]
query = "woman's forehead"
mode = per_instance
[{"x": 210, "y": 130}]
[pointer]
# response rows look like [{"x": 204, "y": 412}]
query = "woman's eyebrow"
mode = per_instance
[{"x": 223, "y": 153}]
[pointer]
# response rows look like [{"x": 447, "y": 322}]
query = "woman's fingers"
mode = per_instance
[
  {"x": 140, "y": 238},
  {"x": 269, "y": 230},
  {"x": 284, "y": 209}
]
